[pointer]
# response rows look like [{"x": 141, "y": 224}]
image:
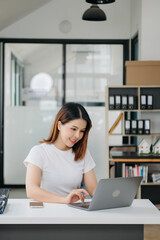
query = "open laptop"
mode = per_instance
[{"x": 112, "y": 193}]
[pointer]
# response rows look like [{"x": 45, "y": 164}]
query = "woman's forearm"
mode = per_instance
[{"x": 39, "y": 194}]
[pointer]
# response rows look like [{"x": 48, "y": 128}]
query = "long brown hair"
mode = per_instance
[{"x": 71, "y": 111}]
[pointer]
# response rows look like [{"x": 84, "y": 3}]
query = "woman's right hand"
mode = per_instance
[{"x": 75, "y": 195}]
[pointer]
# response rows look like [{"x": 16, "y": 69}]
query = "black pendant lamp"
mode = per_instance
[
  {"x": 94, "y": 13},
  {"x": 100, "y": 1}
]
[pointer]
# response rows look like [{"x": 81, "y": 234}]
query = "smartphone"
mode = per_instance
[{"x": 36, "y": 204}]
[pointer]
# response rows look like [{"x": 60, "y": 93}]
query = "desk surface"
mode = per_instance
[{"x": 17, "y": 211}]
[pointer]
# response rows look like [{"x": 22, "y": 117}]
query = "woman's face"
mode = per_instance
[{"x": 70, "y": 133}]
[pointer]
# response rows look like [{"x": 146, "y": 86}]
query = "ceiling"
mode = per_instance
[{"x": 13, "y": 10}]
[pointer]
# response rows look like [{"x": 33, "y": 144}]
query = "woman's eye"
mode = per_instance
[{"x": 73, "y": 129}]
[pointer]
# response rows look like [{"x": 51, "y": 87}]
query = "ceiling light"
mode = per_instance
[
  {"x": 94, "y": 13},
  {"x": 100, "y": 1}
]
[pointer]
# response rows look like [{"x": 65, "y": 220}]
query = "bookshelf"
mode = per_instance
[{"x": 117, "y": 114}]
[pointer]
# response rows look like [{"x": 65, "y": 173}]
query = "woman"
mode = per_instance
[{"x": 56, "y": 167}]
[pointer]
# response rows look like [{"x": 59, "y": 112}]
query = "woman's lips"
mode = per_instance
[{"x": 73, "y": 141}]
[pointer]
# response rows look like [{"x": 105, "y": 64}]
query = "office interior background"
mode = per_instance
[{"x": 49, "y": 56}]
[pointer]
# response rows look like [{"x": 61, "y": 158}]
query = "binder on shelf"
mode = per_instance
[
  {"x": 125, "y": 140},
  {"x": 143, "y": 101},
  {"x": 140, "y": 126},
  {"x": 116, "y": 123},
  {"x": 118, "y": 102},
  {"x": 124, "y": 102},
  {"x": 149, "y": 101},
  {"x": 147, "y": 126},
  {"x": 131, "y": 102},
  {"x": 127, "y": 126},
  {"x": 111, "y": 102},
  {"x": 133, "y": 126}
]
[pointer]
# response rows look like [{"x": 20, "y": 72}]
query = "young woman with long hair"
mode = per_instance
[{"x": 57, "y": 166}]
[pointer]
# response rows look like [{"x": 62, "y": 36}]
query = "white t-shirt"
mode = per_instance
[{"x": 60, "y": 172}]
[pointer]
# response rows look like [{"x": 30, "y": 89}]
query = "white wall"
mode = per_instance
[
  {"x": 136, "y": 13},
  {"x": 135, "y": 17},
  {"x": 44, "y": 22},
  {"x": 150, "y": 30},
  {"x": 145, "y": 20}
]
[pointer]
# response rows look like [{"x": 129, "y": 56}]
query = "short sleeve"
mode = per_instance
[
  {"x": 89, "y": 163},
  {"x": 34, "y": 157}
]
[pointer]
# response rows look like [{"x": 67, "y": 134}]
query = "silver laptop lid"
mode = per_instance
[{"x": 115, "y": 192}]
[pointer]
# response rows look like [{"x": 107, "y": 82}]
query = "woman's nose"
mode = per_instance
[{"x": 77, "y": 134}]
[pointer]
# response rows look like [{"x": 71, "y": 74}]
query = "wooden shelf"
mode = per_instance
[
  {"x": 122, "y": 110},
  {"x": 134, "y": 135},
  {"x": 135, "y": 110},
  {"x": 115, "y": 134},
  {"x": 151, "y": 184},
  {"x": 132, "y": 159},
  {"x": 148, "y": 110},
  {"x": 111, "y": 160},
  {"x": 136, "y": 160}
]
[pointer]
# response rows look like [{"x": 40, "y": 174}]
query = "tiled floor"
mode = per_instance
[
  {"x": 151, "y": 232},
  {"x": 17, "y": 193}
]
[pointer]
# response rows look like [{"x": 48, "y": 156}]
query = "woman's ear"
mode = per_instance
[{"x": 59, "y": 125}]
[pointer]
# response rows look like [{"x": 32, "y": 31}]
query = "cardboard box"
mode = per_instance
[{"x": 142, "y": 72}]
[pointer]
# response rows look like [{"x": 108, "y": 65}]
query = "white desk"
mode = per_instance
[{"x": 19, "y": 221}]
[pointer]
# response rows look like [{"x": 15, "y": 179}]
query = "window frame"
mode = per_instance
[{"x": 64, "y": 42}]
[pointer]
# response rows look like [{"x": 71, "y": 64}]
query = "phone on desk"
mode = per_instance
[{"x": 36, "y": 204}]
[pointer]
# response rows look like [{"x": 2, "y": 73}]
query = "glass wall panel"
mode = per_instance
[
  {"x": 33, "y": 95},
  {"x": 89, "y": 68}
]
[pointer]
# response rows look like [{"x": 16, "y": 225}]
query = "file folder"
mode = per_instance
[
  {"x": 131, "y": 103},
  {"x": 124, "y": 102},
  {"x": 149, "y": 101},
  {"x": 111, "y": 102},
  {"x": 147, "y": 126},
  {"x": 143, "y": 101},
  {"x": 118, "y": 102},
  {"x": 127, "y": 126},
  {"x": 133, "y": 126},
  {"x": 140, "y": 126}
]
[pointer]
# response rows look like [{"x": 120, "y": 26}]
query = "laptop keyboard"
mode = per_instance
[
  {"x": 4, "y": 194},
  {"x": 83, "y": 204}
]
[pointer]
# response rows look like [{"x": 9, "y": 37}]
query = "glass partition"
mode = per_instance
[
  {"x": 89, "y": 68},
  {"x": 33, "y": 95}
]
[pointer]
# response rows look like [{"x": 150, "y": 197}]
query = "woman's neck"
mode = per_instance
[{"x": 60, "y": 145}]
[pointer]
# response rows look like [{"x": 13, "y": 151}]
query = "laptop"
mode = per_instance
[
  {"x": 112, "y": 193},
  {"x": 4, "y": 195}
]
